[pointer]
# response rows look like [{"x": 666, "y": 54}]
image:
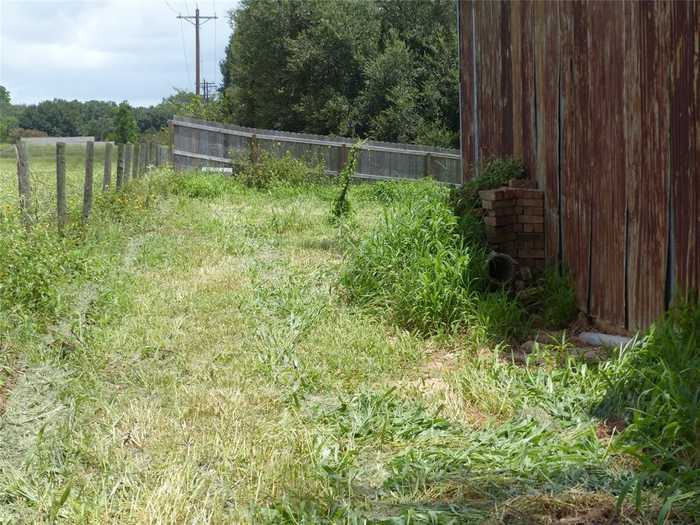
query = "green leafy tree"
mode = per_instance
[
  {"x": 7, "y": 120},
  {"x": 370, "y": 68},
  {"x": 125, "y": 128}
]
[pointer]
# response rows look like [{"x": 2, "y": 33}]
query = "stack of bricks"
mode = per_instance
[{"x": 514, "y": 217}]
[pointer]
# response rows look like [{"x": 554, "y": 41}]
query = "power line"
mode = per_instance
[
  {"x": 197, "y": 21},
  {"x": 184, "y": 53},
  {"x": 216, "y": 57}
]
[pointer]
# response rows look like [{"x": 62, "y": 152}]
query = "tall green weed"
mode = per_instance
[{"x": 416, "y": 264}]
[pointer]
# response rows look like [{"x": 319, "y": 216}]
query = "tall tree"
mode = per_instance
[
  {"x": 369, "y": 67},
  {"x": 125, "y": 128}
]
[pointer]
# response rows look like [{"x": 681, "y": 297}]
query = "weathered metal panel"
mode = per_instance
[
  {"x": 600, "y": 99},
  {"x": 606, "y": 56},
  {"x": 547, "y": 79},
  {"x": 683, "y": 200},
  {"x": 576, "y": 173},
  {"x": 467, "y": 81}
]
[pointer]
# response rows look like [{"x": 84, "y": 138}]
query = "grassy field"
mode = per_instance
[{"x": 202, "y": 365}]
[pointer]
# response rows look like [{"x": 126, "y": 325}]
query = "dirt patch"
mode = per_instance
[
  {"x": 610, "y": 427},
  {"x": 567, "y": 509}
]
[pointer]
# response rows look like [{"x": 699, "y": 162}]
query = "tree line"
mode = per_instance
[
  {"x": 381, "y": 69},
  {"x": 384, "y": 69},
  {"x": 102, "y": 119}
]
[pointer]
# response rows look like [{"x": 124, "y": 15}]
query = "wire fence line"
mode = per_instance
[
  {"x": 51, "y": 180},
  {"x": 199, "y": 144}
]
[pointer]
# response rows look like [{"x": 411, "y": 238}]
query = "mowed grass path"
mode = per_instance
[{"x": 220, "y": 377}]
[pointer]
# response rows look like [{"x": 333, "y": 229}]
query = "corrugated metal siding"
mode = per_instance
[{"x": 600, "y": 100}]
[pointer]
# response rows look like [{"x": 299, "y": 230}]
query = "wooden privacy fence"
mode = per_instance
[
  {"x": 198, "y": 143},
  {"x": 133, "y": 161},
  {"x": 601, "y": 100}
]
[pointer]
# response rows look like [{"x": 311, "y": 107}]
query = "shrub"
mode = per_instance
[
  {"x": 416, "y": 264},
  {"x": 198, "y": 185},
  {"x": 493, "y": 173},
  {"x": 269, "y": 170}
]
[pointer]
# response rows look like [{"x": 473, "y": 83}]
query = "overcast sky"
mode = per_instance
[{"x": 135, "y": 50}]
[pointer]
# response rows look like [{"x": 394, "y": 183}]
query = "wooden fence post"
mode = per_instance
[
  {"x": 107, "y": 176},
  {"x": 87, "y": 189},
  {"x": 254, "y": 157},
  {"x": 128, "y": 154},
  {"x": 152, "y": 153},
  {"x": 343, "y": 159},
  {"x": 61, "y": 204},
  {"x": 428, "y": 159},
  {"x": 136, "y": 164},
  {"x": 120, "y": 166},
  {"x": 171, "y": 147},
  {"x": 23, "y": 183}
]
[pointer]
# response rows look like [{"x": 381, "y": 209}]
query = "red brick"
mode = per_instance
[
  {"x": 517, "y": 228},
  {"x": 533, "y": 228},
  {"x": 500, "y": 220},
  {"x": 495, "y": 238},
  {"x": 535, "y": 203},
  {"x": 496, "y": 212},
  {"x": 528, "y": 194},
  {"x": 492, "y": 205},
  {"x": 533, "y": 212},
  {"x": 531, "y": 253},
  {"x": 529, "y": 236},
  {"x": 496, "y": 195},
  {"x": 499, "y": 229},
  {"x": 530, "y": 219}
]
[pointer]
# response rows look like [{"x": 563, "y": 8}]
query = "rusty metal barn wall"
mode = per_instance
[{"x": 600, "y": 100}]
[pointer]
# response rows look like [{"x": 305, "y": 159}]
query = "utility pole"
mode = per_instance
[{"x": 197, "y": 21}]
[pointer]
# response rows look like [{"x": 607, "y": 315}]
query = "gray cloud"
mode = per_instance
[{"x": 106, "y": 49}]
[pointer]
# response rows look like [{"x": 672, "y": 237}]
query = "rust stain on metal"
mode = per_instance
[{"x": 601, "y": 101}]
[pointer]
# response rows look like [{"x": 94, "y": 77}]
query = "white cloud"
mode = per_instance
[{"x": 105, "y": 49}]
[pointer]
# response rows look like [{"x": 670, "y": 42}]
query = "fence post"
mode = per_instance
[
  {"x": 171, "y": 147},
  {"x": 152, "y": 154},
  {"x": 120, "y": 166},
  {"x": 426, "y": 169},
  {"x": 136, "y": 165},
  {"x": 87, "y": 189},
  {"x": 23, "y": 183},
  {"x": 61, "y": 205},
  {"x": 343, "y": 160},
  {"x": 128, "y": 155},
  {"x": 107, "y": 176},
  {"x": 254, "y": 149}
]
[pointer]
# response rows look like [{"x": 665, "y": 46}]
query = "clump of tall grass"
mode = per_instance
[
  {"x": 658, "y": 390},
  {"x": 33, "y": 263},
  {"x": 416, "y": 264}
]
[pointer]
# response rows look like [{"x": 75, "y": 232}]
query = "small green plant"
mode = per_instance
[
  {"x": 493, "y": 173},
  {"x": 341, "y": 204},
  {"x": 552, "y": 301}
]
